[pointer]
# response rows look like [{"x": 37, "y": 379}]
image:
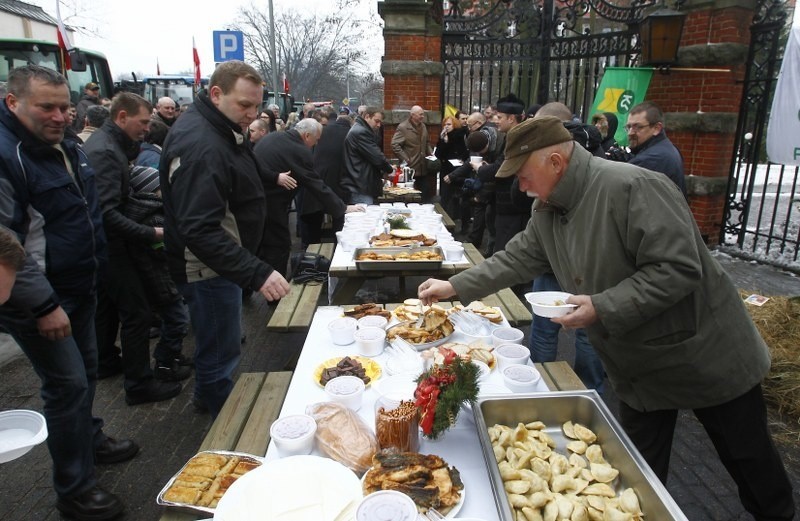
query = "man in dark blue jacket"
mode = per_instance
[
  {"x": 650, "y": 146},
  {"x": 48, "y": 198}
]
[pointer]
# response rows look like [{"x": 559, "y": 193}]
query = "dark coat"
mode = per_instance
[
  {"x": 454, "y": 148},
  {"x": 214, "y": 205},
  {"x": 110, "y": 152},
  {"x": 281, "y": 152},
  {"x": 613, "y": 125},
  {"x": 54, "y": 215},
  {"x": 329, "y": 163},
  {"x": 81, "y": 108},
  {"x": 365, "y": 162},
  {"x": 660, "y": 155}
]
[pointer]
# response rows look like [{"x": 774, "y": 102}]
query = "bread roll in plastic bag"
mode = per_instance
[{"x": 343, "y": 436}]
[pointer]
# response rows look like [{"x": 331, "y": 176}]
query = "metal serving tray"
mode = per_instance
[
  {"x": 586, "y": 408},
  {"x": 395, "y": 265}
]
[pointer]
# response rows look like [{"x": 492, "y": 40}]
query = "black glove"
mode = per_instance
[{"x": 620, "y": 154}]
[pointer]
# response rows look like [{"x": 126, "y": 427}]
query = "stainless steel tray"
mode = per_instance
[
  {"x": 395, "y": 265},
  {"x": 185, "y": 507},
  {"x": 586, "y": 408}
]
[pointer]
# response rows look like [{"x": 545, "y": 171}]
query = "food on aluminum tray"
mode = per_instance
[
  {"x": 435, "y": 326},
  {"x": 423, "y": 255},
  {"x": 206, "y": 477},
  {"x": 363, "y": 310},
  {"x": 539, "y": 481},
  {"x": 427, "y": 479},
  {"x": 476, "y": 351},
  {"x": 482, "y": 310}
]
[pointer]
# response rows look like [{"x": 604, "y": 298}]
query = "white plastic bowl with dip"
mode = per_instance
[
  {"x": 370, "y": 341},
  {"x": 386, "y": 505},
  {"x": 342, "y": 330},
  {"x": 511, "y": 354},
  {"x": 346, "y": 390},
  {"x": 293, "y": 435},
  {"x": 520, "y": 378}
]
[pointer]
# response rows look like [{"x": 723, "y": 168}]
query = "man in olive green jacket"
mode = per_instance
[{"x": 665, "y": 318}]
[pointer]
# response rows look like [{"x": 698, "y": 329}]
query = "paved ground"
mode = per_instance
[{"x": 170, "y": 432}]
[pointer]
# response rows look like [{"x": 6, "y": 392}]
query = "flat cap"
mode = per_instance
[
  {"x": 528, "y": 137},
  {"x": 510, "y": 105}
]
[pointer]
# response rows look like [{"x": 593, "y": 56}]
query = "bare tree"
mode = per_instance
[{"x": 317, "y": 53}]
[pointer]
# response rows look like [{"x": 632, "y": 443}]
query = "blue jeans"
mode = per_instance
[
  {"x": 174, "y": 327},
  {"x": 215, "y": 307},
  {"x": 68, "y": 371},
  {"x": 361, "y": 199},
  {"x": 544, "y": 342}
]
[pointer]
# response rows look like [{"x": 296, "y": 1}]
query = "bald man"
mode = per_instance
[
  {"x": 410, "y": 144},
  {"x": 165, "y": 111}
]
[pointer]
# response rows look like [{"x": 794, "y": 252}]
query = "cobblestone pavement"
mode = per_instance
[{"x": 170, "y": 432}]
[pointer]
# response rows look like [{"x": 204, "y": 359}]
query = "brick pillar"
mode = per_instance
[
  {"x": 411, "y": 68},
  {"x": 701, "y": 107}
]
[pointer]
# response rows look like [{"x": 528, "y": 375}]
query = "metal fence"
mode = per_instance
[{"x": 762, "y": 212}]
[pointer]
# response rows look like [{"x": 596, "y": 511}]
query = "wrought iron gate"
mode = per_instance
[
  {"x": 541, "y": 50},
  {"x": 762, "y": 211}
]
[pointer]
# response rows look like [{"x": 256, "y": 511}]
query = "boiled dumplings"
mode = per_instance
[{"x": 543, "y": 484}]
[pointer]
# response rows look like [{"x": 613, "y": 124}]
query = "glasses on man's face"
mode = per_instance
[{"x": 635, "y": 127}]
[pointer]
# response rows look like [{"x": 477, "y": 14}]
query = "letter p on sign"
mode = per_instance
[{"x": 228, "y": 45}]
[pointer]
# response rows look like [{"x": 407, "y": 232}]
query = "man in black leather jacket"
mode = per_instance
[{"x": 366, "y": 164}]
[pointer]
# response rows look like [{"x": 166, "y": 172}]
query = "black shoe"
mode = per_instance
[
  {"x": 171, "y": 371},
  {"x": 154, "y": 391},
  {"x": 115, "y": 451},
  {"x": 93, "y": 505},
  {"x": 109, "y": 369},
  {"x": 198, "y": 406}
]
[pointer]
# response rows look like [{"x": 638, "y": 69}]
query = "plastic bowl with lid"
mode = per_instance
[
  {"x": 342, "y": 330},
  {"x": 370, "y": 340},
  {"x": 386, "y": 505},
  {"x": 20, "y": 431},
  {"x": 511, "y": 354},
  {"x": 506, "y": 335},
  {"x": 521, "y": 378},
  {"x": 346, "y": 390},
  {"x": 293, "y": 435}
]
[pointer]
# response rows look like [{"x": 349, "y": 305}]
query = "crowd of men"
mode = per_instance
[{"x": 130, "y": 210}]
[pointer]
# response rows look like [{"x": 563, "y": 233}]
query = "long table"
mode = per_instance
[{"x": 459, "y": 446}]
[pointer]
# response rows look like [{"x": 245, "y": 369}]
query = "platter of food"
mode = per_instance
[
  {"x": 401, "y": 238},
  {"x": 399, "y": 258},
  {"x": 435, "y": 329},
  {"x": 477, "y": 352},
  {"x": 297, "y": 487},
  {"x": 365, "y": 368},
  {"x": 206, "y": 477},
  {"x": 364, "y": 310},
  {"x": 426, "y": 478}
]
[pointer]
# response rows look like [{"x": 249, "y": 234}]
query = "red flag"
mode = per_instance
[
  {"x": 63, "y": 39},
  {"x": 158, "y": 68},
  {"x": 285, "y": 84},
  {"x": 196, "y": 66}
]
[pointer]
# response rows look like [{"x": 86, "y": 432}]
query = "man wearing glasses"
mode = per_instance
[{"x": 649, "y": 143}]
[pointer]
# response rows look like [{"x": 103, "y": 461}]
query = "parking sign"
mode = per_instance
[{"x": 228, "y": 45}]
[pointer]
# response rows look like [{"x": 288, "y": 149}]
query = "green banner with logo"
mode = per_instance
[{"x": 620, "y": 90}]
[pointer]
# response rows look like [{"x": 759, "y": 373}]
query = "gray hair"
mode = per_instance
[
  {"x": 96, "y": 115},
  {"x": 308, "y": 125}
]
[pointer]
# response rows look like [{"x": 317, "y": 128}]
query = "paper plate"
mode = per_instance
[
  {"x": 371, "y": 367},
  {"x": 297, "y": 488}
]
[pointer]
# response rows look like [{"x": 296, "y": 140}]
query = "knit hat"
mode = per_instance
[
  {"x": 528, "y": 137},
  {"x": 477, "y": 141},
  {"x": 144, "y": 179}
]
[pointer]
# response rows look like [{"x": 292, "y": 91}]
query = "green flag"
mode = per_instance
[{"x": 620, "y": 90}]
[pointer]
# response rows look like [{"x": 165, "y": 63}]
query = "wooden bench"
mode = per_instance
[
  {"x": 295, "y": 311},
  {"x": 517, "y": 312},
  {"x": 244, "y": 421},
  {"x": 559, "y": 376}
]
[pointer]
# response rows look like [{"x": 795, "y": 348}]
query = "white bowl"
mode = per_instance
[
  {"x": 342, "y": 330},
  {"x": 346, "y": 390},
  {"x": 20, "y": 431},
  {"x": 293, "y": 435},
  {"x": 453, "y": 253},
  {"x": 372, "y": 321},
  {"x": 521, "y": 378},
  {"x": 370, "y": 341},
  {"x": 511, "y": 354},
  {"x": 544, "y": 304},
  {"x": 386, "y": 505},
  {"x": 397, "y": 387},
  {"x": 483, "y": 370},
  {"x": 507, "y": 335}
]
